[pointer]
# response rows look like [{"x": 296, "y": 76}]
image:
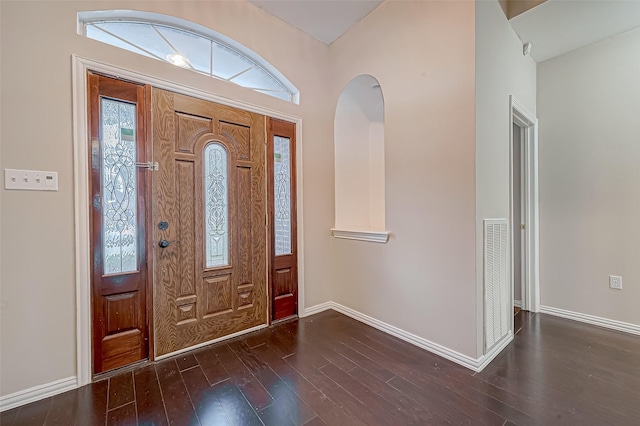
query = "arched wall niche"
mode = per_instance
[{"x": 359, "y": 161}]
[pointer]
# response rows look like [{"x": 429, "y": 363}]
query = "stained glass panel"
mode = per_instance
[
  {"x": 282, "y": 194},
  {"x": 119, "y": 187},
  {"x": 216, "y": 206}
]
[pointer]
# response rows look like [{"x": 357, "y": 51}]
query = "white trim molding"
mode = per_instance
[
  {"x": 300, "y": 218},
  {"x": 362, "y": 235},
  {"x": 82, "y": 232},
  {"x": 495, "y": 350},
  {"x": 316, "y": 309},
  {"x": 517, "y": 303},
  {"x": 592, "y": 319},
  {"x": 474, "y": 364},
  {"x": 37, "y": 393}
]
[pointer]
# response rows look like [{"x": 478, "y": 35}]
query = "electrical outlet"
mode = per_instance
[{"x": 615, "y": 282}]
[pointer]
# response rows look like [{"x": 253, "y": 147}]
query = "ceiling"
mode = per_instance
[
  {"x": 560, "y": 26},
  {"x": 325, "y": 20},
  {"x": 553, "y": 28}
]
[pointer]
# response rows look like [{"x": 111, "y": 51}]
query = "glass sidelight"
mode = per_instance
[
  {"x": 283, "y": 277},
  {"x": 119, "y": 187},
  {"x": 282, "y": 194}
]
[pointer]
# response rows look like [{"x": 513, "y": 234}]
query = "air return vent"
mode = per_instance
[{"x": 496, "y": 290}]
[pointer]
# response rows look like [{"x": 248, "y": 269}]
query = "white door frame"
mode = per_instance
[
  {"x": 524, "y": 119},
  {"x": 80, "y": 66}
]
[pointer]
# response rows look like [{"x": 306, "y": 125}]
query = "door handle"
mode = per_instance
[{"x": 166, "y": 243}]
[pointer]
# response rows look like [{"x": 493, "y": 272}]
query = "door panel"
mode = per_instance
[
  {"x": 282, "y": 211},
  {"x": 117, "y": 129},
  {"x": 211, "y": 190},
  {"x": 284, "y": 302}
]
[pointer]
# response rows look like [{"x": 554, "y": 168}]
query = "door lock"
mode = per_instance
[{"x": 163, "y": 225}]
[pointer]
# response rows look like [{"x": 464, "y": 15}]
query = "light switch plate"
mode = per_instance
[{"x": 30, "y": 180}]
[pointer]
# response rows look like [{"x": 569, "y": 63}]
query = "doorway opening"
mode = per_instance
[
  {"x": 518, "y": 224},
  {"x": 523, "y": 220},
  {"x": 227, "y": 137}
]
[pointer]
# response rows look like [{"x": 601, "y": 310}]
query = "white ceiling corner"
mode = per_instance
[
  {"x": 559, "y": 26},
  {"x": 325, "y": 20}
]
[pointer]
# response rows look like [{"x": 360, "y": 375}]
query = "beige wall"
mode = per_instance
[
  {"x": 423, "y": 279},
  {"x": 37, "y": 313},
  {"x": 501, "y": 70},
  {"x": 359, "y": 156},
  {"x": 588, "y": 106},
  {"x": 351, "y": 141},
  {"x": 376, "y": 175}
]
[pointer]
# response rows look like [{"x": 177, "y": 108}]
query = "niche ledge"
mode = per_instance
[{"x": 371, "y": 236}]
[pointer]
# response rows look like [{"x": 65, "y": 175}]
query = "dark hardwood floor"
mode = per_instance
[{"x": 330, "y": 369}]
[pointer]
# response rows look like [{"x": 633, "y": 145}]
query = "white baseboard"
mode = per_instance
[
  {"x": 450, "y": 354},
  {"x": 37, "y": 393},
  {"x": 517, "y": 303},
  {"x": 316, "y": 309},
  {"x": 592, "y": 319},
  {"x": 486, "y": 359}
]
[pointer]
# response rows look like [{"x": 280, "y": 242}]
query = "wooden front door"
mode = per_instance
[
  {"x": 209, "y": 214},
  {"x": 117, "y": 131},
  {"x": 283, "y": 275}
]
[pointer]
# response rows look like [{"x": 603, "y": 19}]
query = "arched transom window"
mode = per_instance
[{"x": 187, "y": 45}]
